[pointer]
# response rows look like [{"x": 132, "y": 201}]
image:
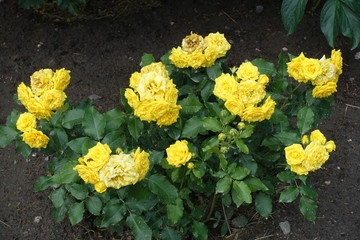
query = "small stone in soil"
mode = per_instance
[
  {"x": 327, "y": 182},
  {"x": 94, "y": 97},
  {"x": 37, "y": 219},
  {"x": 285, "y": 227}
]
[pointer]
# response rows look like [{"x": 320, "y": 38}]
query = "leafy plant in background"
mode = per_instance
[
  {"x": 69, "y": 5},
  {"x": 196, "y": 140},
  {"x": 337, "y": 16}
]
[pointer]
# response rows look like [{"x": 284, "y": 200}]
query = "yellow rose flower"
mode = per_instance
[
  {"x": 159, "y": 108},
  {"x": 61, "y": 79},
  {"x": 317, "y": 136},
  {"x": 97, "y": 156},
  {"x": 145, "y": 111},
  {"x": 119, "y": 171},
  {"x": 218, "y": 42},
  {"x": 294, "y": 68},
  {"x": 330, "y": 146},
  {"x": 294, "y": 154},
  {"x": 263, "y": 79},
  {"x": 24, "y": 94},
  {"x": 225, "y": 86},
  {"x": 26, "y": 122},
  {"x": 142, "y": 163},
  {"x": 299, "y": 169},
  {"x": 169, "y": 117},
  {"x": 178, "y": 153},
  {"x": 247, "y": 71},
  {"x": 35, "y": 138},
  {"x": 328, "y": 73},
  {"x": 53, "y": 99},
  {"x": 324, "y": 91},
  {"x": 251, "y": 92},
  {"x": 36, "y": 107},
  {"x": 152, "y": 86},
  {"x": 179, "y": 58},
  {"x": 132, "y": 98},
  {"x": 253, "y": 114},
  {"x": 337, "y": 60},
  {"x": 87, "y": 174},
  {"x": 41, "y": 81},
  {"x": 234, "y": 105},
  {"x": 100, "y": 187},
  {"x": 315, "y": 156},
  {"x": 171, "y": 94},
  {"x": 192, "y": 43},
  {"x": 305, "y": 140},
  {"x": 196, "y": 59},
  {"x": 310, "y": 69},
  {"x": 268, "y": 108}
]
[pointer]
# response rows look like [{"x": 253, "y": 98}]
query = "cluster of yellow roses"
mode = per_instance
[
  {"x": 153, "y": 95},
  {"x": 197, "y": 52},
  {"x": 323, "y": 73},
  {"x": 244, "y": 92},
  {"x": 316, "y": 152},
  {"x": 104, "y": 170},
  {"x": 41, "y": 99},
  {"x": 178, "y": 154}
]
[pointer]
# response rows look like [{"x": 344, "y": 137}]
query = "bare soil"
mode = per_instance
[{"x": 103, "y": 52}]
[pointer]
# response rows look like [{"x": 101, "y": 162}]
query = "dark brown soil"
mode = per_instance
[{"x": 102, "y": 54}]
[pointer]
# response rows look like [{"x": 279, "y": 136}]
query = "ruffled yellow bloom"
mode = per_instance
[
  {"x": 41, "y": 81},
  {"x": 36, "y": 107},
  {"x": 53, "y": 99},
  {"x": 235, "y": 105},
  {"x": 315, "y": 156},
  {"x": 263, "y": 79},
  {"x": 328, "y": 73},
  {"x": 268, "y": 108},
  {"x": 192, "y": 43},
  {"x": 330, "y": 146},
  {"x": 132, "y": 98},
  {"x": 190, "y": 165},
  {"x": 299, "y": 169},
  {"x": 26, "y": 122},
  {"x": 178, "y": 153},
  {"x": 324, "y": 91},
  {"x": 96, "y": 157},
  {"x": 142, "y": 163},
  {"x": 100, "y": 187},
  {"x": 225, "y": 86},
  {"x": 253, "y": 114},
  {"x": 310, "y": 69},
  {"x": 241, "y": 125},
  {"x": 217, "y": 43},
  {"x": 61, "y": 79},
  {"x": 87, "y": 174},
  {"x": 247, "y": 71},
  {"x": 305, "y": 140},
  {"x": 294, "y": 154},
  {"x": 294, "y": 68},
  {"x": 337, "y": 60},
  {"x": 251, "y": 92},
  {"x": 317, "y": 136},
  {"x": 35, "y": 138}
]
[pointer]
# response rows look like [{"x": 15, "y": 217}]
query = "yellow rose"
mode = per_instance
[
  {"x": 251, "y": 92},
  {"x": 263, "y": 79},
  {"x": 61, "y": 79},
  {"x": 171, "y": 94},
  {"x": 328, "y": 73},
  {"x": 97, "y": 156},
  {"x": 178, "y": 153},
  {"x": 142, "y": 163},
  {"x": 247, "y": 71},
  {"x": 299, "y": 169},
  {"x": 26, "y": 122},
  {"x": 179, "y": 58},
  {"x": 317, "y": 136},
  {"x": 41, "y": 81},
  {"x": 87, "y": 174},
  {"x": 225, "y": 86},
  {"x": 53, "y": 99},
  {"x": 268, "y": 108},
  {"x": 210, "y": 56},
  {"x": 305, "y": 140},
  {"x": 38, "y": 109},
  {"x": 310, "y": 69},
  {"x": 324, "y": 91},
  {"x": 337, "y": 60},
  {"x": 315, "y": 156},
  {"x": 253, "y": 114},
  {"x": 330, "y": 146},
  {"x": 35, "y": 138},
  {"x": 100, "y": 187},
  {"x": 294, "y": 154},
  {"x": 119, "y": 171},
  {"x": 152, "y": 86},
  {"x": 294, "y": 68},
  {"x": 218, "y": 42},
  {"x": 234, "y": 105},
  {"x": 192, "y": 43},
  {"x": 145, "y": 111},
  {"x": 169, "y": 117},
  {"x": 159, "y": 108},
  {"x": 196, "y": 59},
  {"x": 132, "y": 98},
  {"x": 134, "y": 80},
  {"x": 24, "y": 94}
]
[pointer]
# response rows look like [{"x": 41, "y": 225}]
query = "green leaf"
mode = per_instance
[
  {"x": 264, "y": 66},
  {"x": 209, "y": 144},
  {"x": 247, "y": 131},
  {"x": 7, "y": 135},
  {"x": 305, "y": 119},
  {"x": 12, "y": 119},
  {"x": 57, "y": 197},
  {"x": 272, "y": 143},
  {"x": 190, "y": 105},
  {"x": 76, "y": 212},
  {"x": 58, "y": 139},
  {"x": 289, "y": 194},
  {"x": 170, "y": 234},
  {"x": 212, "y": 124},
  {"x": 199, "y": 230},
  {"x": 243, "y": 191},
  {"x": 66, "y": 175},
  {"x": 23, "y": 148},
  {"x": 94, "y": 205},
  {"x": 207, "y": 90},
  {"x": 239, "y": 173},
  {"x": 288, "y": 138},
  {"x": 308, "y": 208},
  {"x": 350, "y": 21},
  {"x": 240, "y": 221},
  {"x": 94, "y": 123},
  {"x": 113, "y": 213},
  {"x": 223, "y": 185},
  {"x": 78, "y": 191},
  {"x": 56, "y": 118},
  {"x": 72, "y": 118},
  {"x": 135, "y": 126},
  {"x": 114, "y": 119},
  {"x": 192, "y": 127},
  {"x": 139, "y": 227},
  {"x": 147, "y": 59},
  {"x": 42, "y": 183},
  {"x": 286, "y": 176},
  {"x": 58, "y": 214},
  {"x": 330, "y": 20},
  {"x": 87, "y": 144},
  {"x": 282, "y": 66},
  {"x": 77, "y": 143},
  {"x": 214, "y": 71},
  {"x": 175, "y": 211},
  {"x": 114, "y": 139},
  {"x": 279, "y": 84},
  {"x": 263, "y": 204},
  {"x": 291, "y": 13},
  {"x": 162, "y": 188},
  {"x": 308, "y": 191},
  {"x": 242, "y": 146},
  {"x": 255, "y": 184}
]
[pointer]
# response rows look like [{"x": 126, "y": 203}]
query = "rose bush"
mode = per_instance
[{"x": 195, "y": 137}]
